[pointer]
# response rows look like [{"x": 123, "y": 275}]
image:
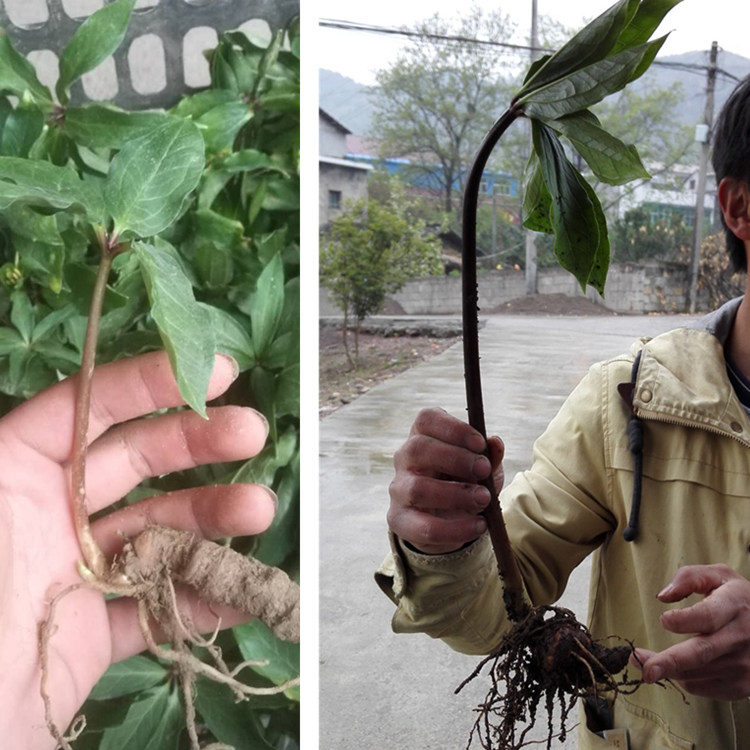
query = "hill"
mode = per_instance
[{"x": 352, "y": 103}]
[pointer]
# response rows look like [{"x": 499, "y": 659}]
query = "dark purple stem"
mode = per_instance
[{"x": 506, "y": 562}]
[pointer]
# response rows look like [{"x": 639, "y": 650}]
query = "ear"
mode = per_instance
[{"x": 734, "y": 199}]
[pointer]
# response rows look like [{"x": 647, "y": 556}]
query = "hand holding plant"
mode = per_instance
[
  {"x": 124, "y": 233},
  {"x": 39, "y": 548}
]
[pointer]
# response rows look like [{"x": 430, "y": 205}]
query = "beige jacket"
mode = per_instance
[{"x": 575, "y": 500}]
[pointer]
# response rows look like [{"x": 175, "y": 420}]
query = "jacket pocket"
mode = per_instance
[{"x": 648, "y": 731}]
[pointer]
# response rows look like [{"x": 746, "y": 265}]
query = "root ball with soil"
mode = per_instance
[{"x": 547, "y": 655}]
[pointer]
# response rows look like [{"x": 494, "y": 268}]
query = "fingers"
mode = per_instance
[
  {"x": 695, "y": 579},
  {"x": 435, "y": 498},
  {"x": 212, "y": 512},
  {"x": 438, "y": 424},
  {"x": 715, "y": 661},
  {"x": 127, "y": 639},
  {"x": 440, "y": 444},
  {"x": 121, "y": 391},
  {"x": 132, "y": 452},
  {"x": 434, "y": 534},
  {"x": 724, "y": 592}
]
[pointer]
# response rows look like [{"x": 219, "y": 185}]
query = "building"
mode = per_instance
[{"x": 341, "y": 180}]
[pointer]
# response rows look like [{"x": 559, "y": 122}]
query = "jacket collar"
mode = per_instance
[{"x": 682, "y": 377}]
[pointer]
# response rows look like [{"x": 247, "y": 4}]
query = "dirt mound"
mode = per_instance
[{"x": 549, "y": 304}]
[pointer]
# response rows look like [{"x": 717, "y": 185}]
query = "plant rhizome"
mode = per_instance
[{"x": 152, "y": 563}]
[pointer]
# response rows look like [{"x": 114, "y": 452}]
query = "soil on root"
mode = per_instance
[
  {"x": 147, "y": 570},
  {"x": 547, "y": 656}
]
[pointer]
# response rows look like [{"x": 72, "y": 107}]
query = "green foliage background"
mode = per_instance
[{"x": 216, "y": 271}]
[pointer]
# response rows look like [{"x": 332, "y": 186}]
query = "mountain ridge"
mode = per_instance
[{"x": 353, "y": 103}]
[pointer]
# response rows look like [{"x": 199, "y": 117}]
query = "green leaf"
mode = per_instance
[
  {"x": 23, "y": 373},
  {"x": 153, "y": 723},
  {"x": 587, "y": 86},
  {"x": 129, "y": 676},
  {"x": 221, "y": 124},
  {"x": 92, "y": 43},
  {"x": 105, "y": 126},
  {"x": 39, "y": 183},
  {"x": 214, "y": 266},
  {"x": 590, "y": 45},
  {"x": 267, "y": 304},
  {"x": 151, "y": 176},
  {"x": 600, "y": 266},
  {"x": 51, "y": 321},
  {"x": 647, "y": 18},
  {"x": 231, "y": 337},
  {"x": 22, "y": 128},
  {"x": 257, "y": 643},
  {"x": 537, "y": 201},
  {"x": 258, "y": 470},
  {"x": 9, "y": 340},
  {"x": 22, "y": 315},
  {"x": 81, "y": 279},
  {"x": 183, "y": 324},
  {"x": 277, "y": 543},
  {"x": 250, "y": 161},
  {"x": 237, "y": 724},
  {"x": 287, "y": 391},
  {"x": 196, "y": 105},
  {"x": 573, "y": 215},
  {"x": 25, "y": 222},
  {"x": 17, "y": 74},
  {"x": 611, "y": 160}
]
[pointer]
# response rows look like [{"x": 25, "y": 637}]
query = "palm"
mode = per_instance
[
  {"x": 38, "y": 545},
  {"x": 38, "y": 561}
]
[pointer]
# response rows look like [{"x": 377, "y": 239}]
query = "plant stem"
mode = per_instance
[
  {"x": 92, "y": 553},
  {"x": 506, "y": 562}
]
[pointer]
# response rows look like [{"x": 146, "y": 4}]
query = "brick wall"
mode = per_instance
[{"x": 631, "y": 288}]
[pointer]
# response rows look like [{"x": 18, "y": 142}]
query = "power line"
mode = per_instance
[{"x": 411, "y": 34}]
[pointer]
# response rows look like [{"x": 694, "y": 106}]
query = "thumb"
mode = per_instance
[{"x": 496, "y": 449}]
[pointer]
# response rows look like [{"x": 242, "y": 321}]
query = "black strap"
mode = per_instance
[{"x": 635, "y": 444}]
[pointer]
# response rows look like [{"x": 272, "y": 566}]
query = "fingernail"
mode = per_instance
[
  {"x": 480, "y": 526},
  {"x": 666, "y": 591},
  {"x": 482, "y": 467},
  {"x": 233, "y": 363},
  {"x": 476, "y": 443},
  {"x": 655, "y": 674},
  {"x": 262, "y": 419},
  {"x": 481, "y": 496},
  {"x": 273, "y": 496}
]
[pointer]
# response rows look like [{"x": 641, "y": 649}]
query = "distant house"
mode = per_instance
[
  {"x": 340, "y": 179},
  {"x": 670, "y": 195}
]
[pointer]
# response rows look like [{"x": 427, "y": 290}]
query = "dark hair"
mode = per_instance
[{"x": 731, "y": 156}]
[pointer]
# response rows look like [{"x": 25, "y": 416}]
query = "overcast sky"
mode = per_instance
[{"x": 694, "y": 25}]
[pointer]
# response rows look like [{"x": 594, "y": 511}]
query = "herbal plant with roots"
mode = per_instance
[
  {"x": 547, "y": 654},
  {"x": 152, "y": 563},
  {"x": 126, "y": 232}
]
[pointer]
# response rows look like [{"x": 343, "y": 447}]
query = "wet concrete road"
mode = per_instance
[{"x": 379, "y": 690}]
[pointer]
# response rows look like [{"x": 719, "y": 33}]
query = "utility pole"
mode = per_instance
[
  {"x": 702, "y": 134},
  {"x": 531, "y": 287}
]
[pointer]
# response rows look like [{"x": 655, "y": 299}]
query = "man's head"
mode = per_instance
[{"x": 731, "y": 162}]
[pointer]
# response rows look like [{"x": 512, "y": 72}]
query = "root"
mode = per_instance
[
  {"x": 549, "y": 655},
  {"x": 147, "y": 571}
]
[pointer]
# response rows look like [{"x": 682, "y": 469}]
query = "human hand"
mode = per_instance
[
  {"x": 38, "y": 544},
  {"x": 715, "y": 661},
  {"x": 435, "y": 498}
]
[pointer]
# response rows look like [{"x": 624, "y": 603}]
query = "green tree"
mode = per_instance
[
  {"x": 636, "y": 236},
  {"x": 370, "y": 251},
  {"x": 437, "y": 100}
]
